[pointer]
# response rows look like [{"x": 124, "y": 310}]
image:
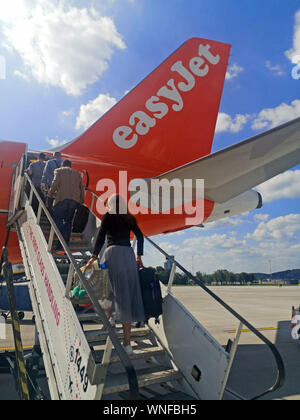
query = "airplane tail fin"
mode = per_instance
[{"x": 169, "y": 119}]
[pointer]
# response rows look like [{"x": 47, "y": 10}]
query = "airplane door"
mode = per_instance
[{"x": 17, "y": 186}]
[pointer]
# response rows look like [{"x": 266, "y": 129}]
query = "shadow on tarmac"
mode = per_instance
[{"x": 254, "y": 369}]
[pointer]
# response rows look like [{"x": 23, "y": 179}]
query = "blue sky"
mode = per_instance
[{"x": 67, "y": 62}]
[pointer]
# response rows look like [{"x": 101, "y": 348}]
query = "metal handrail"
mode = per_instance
[
  {"x": 125, "y": 360},
  {"x": 123, "y": 356},
  {"x": 279, "y": 362},
  {"x": 94, "y": 197}
]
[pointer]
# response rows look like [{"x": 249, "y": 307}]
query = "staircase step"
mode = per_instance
[
  {"x": 97, "y": 336},
  {"x": 88, "y": 317},
  {"x": 74, "y": 245},
  {"x": 73, "y": 238},
  {"x": 138, "y": 353},
  {"x": 63, "y": 268},
  {"x": 119, "y": 383},
  {"x": 174, "y": 396},
  {"x": 64, "y": 257}
]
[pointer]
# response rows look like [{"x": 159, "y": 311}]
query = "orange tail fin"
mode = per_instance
[{"x": 168, "y": 119}]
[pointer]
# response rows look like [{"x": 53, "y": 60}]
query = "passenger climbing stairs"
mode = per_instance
[
  {"x": 154, "y": 369},
  {"x": 82, "y": 353}
]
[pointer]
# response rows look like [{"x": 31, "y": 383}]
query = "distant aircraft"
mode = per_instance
[{"x": 163, "y": 129}]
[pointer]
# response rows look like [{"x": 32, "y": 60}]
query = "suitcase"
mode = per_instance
[
  {"x": 151, "y": 293},
  {"x": 80, "y": 219}
]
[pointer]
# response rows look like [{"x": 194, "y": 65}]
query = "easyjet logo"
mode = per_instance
[{"x": 141, "y": 122}]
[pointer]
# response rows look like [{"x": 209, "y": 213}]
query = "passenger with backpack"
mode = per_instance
[
  {"x": 35, "y": 172},
  {"x": 69, "y": 191},
  {"x": 48, "y": 176}
]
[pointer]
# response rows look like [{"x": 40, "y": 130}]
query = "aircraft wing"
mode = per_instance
[{"x": 234, "y": 170}]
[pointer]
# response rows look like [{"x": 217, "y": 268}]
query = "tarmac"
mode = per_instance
[{"x": 267, "y": 308}]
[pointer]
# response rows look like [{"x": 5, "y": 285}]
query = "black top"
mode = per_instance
[{"x": 118, "y": 231}]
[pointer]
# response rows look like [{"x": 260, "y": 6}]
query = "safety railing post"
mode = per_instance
[
  {"x": 171, "y": 278},
  {"x": 30, "y": 196},
  {"x": 69, "y": 280},
  {"x": 230, "y": 361},
  {"x": 39, "y": 214},
  {"x": 105, "y": 365},
  {"x": 92, "y": 203},
  {"x": 278, "y": 359},
  {"x": 51, "y": 237}
]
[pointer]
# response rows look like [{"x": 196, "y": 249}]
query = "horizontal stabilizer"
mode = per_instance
[{"x": 232, "y": 171}]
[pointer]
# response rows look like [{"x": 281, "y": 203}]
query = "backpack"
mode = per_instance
[{"x": 80, "y": 219}]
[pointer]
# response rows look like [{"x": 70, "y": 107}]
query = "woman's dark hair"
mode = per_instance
[
  {"x": 128, "y": 218},
  {"x": 67, "y": 164}
]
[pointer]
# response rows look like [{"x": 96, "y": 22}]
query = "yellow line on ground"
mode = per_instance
[
  {"x": 13, "y": 348},
  {"x": 258, "y": 329}
]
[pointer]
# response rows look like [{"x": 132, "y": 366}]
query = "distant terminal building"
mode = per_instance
[{"x": 168, "y": 263}]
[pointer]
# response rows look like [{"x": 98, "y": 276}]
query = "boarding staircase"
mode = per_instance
[
  {"x": 105, "y": 369},
  {"x": 82, "y": 352}
]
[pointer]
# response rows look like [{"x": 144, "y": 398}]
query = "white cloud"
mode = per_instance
[
  {"x": 273, "y": 117},
  {"x": 233, "y": 71},
  {"x": 283, "y": 229},
  {"x": 275, "y": 239},
  {"x": 169, "y": 247},
  {"x": 210, "y": 252},
  {"x": 92, "y": 111},
  {"x": 262, "y": 217},
  {"x": 295, "y": 51},
  {"x": 275, "y": 68},
  {"x": 223, "y": 223},
  {"x": 56, "y": 142},
  {"x": 67, "y": 113},
  {"x": 226, "y": 123},
  {"x": 21, "y": 75},
  {"x": 285, "y": 185},
  {"x": 214, "y": 241},
  {"x": 266, "y": 119},
  {"x": 60, "y": 45}
]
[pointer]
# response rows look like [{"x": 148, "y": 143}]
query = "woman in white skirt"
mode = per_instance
[{"x": 116, "y": 227}]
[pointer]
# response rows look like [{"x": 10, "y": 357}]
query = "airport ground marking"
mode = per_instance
[
  {"x": 258, "y": 329},
  {"x": 3, "y": 349}
]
